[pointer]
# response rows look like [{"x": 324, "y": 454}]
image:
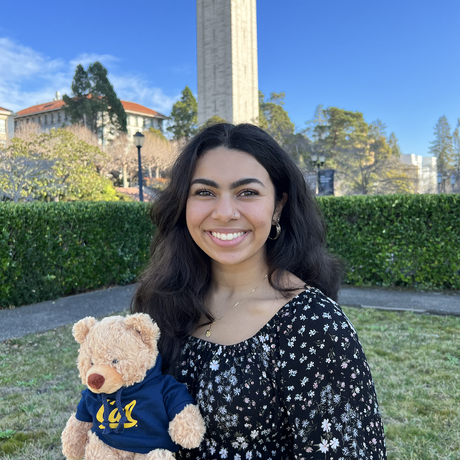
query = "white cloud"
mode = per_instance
[
  {"x": 89, "y": 58},
  {"x": 28, "y": 77},
  {"x": 137, "y": 89}
]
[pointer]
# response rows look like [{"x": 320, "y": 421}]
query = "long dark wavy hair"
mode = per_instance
[{"x": 173, "y": 288}]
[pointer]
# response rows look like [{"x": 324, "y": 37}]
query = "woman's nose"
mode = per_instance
[{"x": 224, "y": 209}]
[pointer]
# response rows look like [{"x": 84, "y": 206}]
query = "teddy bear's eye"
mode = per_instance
[
  {"x": 115, "y": 361},
  {"x": 92, "y": 364}
]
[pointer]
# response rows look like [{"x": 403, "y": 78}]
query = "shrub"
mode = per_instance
[
  {"x": 396, "y": 240},
  {"x": 48, "y": 250}
]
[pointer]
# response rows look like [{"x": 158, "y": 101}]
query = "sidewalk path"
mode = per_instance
[{"x": 48, "y": 315}]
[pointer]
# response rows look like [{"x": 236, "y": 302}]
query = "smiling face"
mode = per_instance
[{"x": 231, "y": 206}]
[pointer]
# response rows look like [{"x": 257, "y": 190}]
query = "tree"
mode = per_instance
[
  {"x": 122, "y": 158},
  {"x": 184, "y": 116},
  {"x": 394, "y": 146},
  {"x": 94, "y": 101},
  {"x": 364, "y": 160},
  {"x": 214, "y": 120},
  {"x": 26, "y": 178},
  {"x": 274, "y": 119},
  {"x": 443, "y": 149},
  {"x": 156, "y": 152},
  {"x": 75, "y": 165}
]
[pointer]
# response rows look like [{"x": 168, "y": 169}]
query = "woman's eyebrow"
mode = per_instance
[{"x": 233, "y": 185}]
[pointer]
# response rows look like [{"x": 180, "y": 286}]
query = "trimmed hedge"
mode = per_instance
[
  {"x": 396, "y": 240},
  {"x": 48, "y": 250}
]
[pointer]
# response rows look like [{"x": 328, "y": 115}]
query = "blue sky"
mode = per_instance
[{"x": 398, "y": 61}]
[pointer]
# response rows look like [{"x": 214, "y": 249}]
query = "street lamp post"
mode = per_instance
[
  {"x": 318, "y": 162},
  {"x": 139, "y": 142}
]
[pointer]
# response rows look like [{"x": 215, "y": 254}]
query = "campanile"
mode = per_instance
[{"x": 227, "y": 60}]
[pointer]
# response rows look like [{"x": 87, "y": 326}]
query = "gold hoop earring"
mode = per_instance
[{"x": 278, "y": 230}]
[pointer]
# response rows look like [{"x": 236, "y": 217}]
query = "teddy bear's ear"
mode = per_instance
[
  {"x": 81, "y": 329},
  {"x": 143, "y": 324}
]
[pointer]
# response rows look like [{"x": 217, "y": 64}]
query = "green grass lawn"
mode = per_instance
[{"x": 415, "y": 360}]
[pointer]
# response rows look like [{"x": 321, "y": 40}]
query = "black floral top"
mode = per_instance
[{"x": 300, "y": 388}]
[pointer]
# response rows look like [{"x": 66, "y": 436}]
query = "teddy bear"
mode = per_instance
[{"x": 130, "y": 410}]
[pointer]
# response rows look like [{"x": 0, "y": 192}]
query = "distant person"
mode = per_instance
[{"x": 244, "y": 290}]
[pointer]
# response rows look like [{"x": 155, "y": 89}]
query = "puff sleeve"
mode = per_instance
[{"x": 325, "y": 384}]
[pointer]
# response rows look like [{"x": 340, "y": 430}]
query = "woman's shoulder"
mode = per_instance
[{"x": 314, "y": 313}]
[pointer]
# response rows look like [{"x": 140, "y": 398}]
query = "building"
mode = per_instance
[
  {"x": 6, "y": 125},
  {"x": 422, "y": 170},
  {"x": 51, "y": 115},
  {"x": 227, "y": 60}
]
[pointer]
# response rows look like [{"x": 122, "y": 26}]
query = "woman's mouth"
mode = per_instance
[{"x": 227, "y": 236}]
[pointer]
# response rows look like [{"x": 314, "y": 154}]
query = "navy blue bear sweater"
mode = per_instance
[{"x": 136, "y": 418}]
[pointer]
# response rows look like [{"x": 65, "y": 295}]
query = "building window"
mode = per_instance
[
  {"x": 137, "y": 121},
  {"x": 127, "y": 120},
  {"x": 65, "y": 116},
  {"x": 59, "y": 117},
  {"x": 46, "y": 119},
  {"x": 2, "y": 126},
  {"x": 52, "y": 118},
  {"x": 39, "y": 120}
]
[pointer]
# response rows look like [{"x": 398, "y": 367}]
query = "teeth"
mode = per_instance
[{"x": 226, "y": 236}]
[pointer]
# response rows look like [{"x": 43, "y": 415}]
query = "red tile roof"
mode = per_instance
[
  {"x": 6, "y": 110},
  {"x": 55, "y": 105},
  {"x": 46, "y": 107},
  {"x": 133, "y": 107}
]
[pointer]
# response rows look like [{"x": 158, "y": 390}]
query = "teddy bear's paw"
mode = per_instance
[
  {"x": 187, "y": 428},
  {"x": 157, "y": 454},
  {"x": 74, "y": 438},
  {"x": 97, "y": 450}
]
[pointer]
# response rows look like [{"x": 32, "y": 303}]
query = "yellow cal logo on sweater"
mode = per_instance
[{"x": 115, "y": 416}]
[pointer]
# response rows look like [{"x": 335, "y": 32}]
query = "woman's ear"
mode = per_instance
[{"x": 279, "y": 207}]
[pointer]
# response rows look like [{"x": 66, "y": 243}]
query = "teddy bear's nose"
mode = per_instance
[{"x": 96, "y": 381}]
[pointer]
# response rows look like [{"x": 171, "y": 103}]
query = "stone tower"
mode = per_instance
[{"x": 227, "y": 60}]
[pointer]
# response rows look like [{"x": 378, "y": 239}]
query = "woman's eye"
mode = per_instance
[
  {"x": 246, "y": 193},
  {"x": 203, "y": 192}
]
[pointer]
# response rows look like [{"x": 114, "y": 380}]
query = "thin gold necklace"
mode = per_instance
[{"x": 209, "y": 331}]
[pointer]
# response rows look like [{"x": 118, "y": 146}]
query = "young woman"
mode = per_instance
[{"x": 243, "y": 289}]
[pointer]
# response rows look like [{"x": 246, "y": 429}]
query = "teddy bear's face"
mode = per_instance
[{"x": 115, "y": 352}]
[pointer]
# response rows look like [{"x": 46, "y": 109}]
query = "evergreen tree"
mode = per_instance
[
  {"x": 214, "y": 120},
  {"x": 94, "y": 101},
  {"x": 394, "y": 146},
  {"x": 366, "y": 162},
  {"x": 274, "y": 119},
  {"x": 184, "y": 116},
  {"x": 443, "y": 149}
]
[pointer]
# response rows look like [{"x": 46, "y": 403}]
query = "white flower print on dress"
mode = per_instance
[{"x": 261, "y": 400}]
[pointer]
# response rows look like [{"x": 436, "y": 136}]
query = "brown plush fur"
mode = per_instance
[
  {"x": 184, "y": 430},
  {"x": 118, "y": 351},
  {"x": 74, "y": 438}
]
